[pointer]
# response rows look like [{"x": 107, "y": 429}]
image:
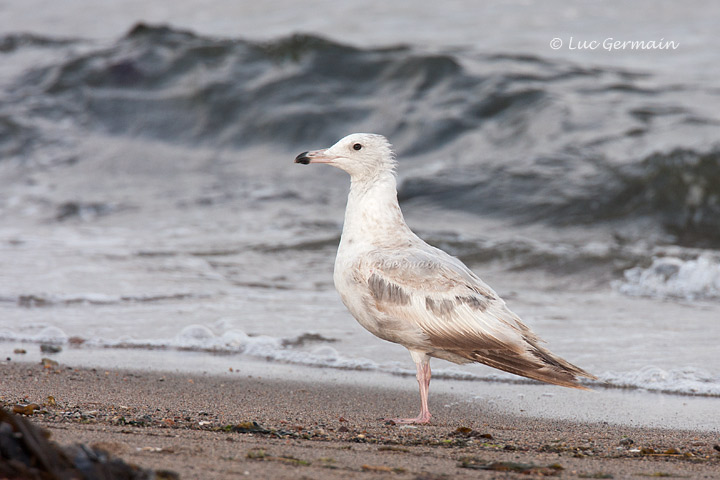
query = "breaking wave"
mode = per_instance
[
  {"x": 679, "y": 190},
  {"x": 501, "y": 127},
  {"x": 672, "y": 277}
]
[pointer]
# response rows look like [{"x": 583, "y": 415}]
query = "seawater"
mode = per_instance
[{"x": 148, "y": 200}]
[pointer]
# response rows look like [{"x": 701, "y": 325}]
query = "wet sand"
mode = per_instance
[{"x": 205, "y": 426}]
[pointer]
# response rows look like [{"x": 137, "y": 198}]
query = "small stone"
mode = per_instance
[
  {"x": 26, "y": 409},
  {"x": 48, "y": 363},
  {"x": 376, "y": 468},
  {"x": 166, "y": 475},
  {"x": 469, "y": 432},
  {"x": 47, "y": 348}
]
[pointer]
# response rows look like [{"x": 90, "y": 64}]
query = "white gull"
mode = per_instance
[{"x": 405, "y": 291}]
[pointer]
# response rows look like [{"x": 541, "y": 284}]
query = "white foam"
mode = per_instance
[
  {"x": 194, "y": 334},
  {"x": 687, "y": 380},
  {"x": 52, "y": 335},
  {"x": 672, "y": 277},
  {"x": 201, "y": 338}
]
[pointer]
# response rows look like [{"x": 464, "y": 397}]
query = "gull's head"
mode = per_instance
[{"x": 362, "y": 155}]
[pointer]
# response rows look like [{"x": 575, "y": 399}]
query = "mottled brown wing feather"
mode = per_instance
[{"x": 461, "y": 315}]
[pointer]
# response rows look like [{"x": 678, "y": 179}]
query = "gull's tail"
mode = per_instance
[{"x": 537, "y": 363}]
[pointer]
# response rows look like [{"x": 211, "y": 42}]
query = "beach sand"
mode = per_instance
[{"x": 215, "y": 426}]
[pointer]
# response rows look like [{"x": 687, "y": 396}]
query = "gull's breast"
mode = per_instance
[{"x": 355, "y": 284}]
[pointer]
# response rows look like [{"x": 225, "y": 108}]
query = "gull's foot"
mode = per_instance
[{"x": 419, "y": 420}]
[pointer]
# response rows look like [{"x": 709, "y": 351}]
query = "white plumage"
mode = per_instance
[{"x": 405, "y": 291}]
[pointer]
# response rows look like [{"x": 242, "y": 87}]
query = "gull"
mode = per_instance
[{"x": 408, "y": 292}]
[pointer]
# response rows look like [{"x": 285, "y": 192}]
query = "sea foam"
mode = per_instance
[
  {"x": 199, "y": 338},
  {"x": 672, "y": 277}
]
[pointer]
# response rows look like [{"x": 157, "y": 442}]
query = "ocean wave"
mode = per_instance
[
  {"x": 679, "y": 190},
  {"x": 173, "y": 85},
  {"x": 15, "y": 137},
  {"x": 683, "y": 381},
  {"x": 673, "y": 277},
  {"x": 507, "y": 133},
  {"x": 605, "y": 259},
  {"x": 16, "y": 41},
  {"x": 34, "y": 300}
]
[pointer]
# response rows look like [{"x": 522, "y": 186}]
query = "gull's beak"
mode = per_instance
[{"x": 315, "y": 156}]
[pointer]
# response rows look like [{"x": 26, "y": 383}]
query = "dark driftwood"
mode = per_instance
[{"x": 27, "y": 453}]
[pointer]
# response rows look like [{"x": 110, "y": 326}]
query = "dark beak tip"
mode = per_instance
[{"x": 302, "y": 158}]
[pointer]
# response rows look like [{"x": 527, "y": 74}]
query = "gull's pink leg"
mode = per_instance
[{"x": 422, "y": 363}]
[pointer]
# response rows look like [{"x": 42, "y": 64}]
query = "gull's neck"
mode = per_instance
[{"x": 373, "y": 217}]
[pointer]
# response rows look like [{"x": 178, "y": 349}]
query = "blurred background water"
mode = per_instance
[{"x": 148, "y": 200}]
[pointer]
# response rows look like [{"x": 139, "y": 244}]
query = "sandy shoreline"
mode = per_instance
[{"x": 201, "y": 426}]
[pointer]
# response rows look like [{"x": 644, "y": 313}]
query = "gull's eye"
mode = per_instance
[{"x": 357, "y": 146}]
